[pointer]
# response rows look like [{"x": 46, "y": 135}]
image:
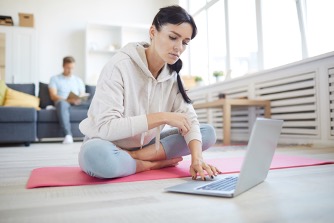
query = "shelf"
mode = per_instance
[
  {"x": 103, "y": 41},
  {"x": 17, "y": 27}
]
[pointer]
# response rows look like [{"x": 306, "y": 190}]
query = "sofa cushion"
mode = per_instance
[
  {"x": 3, "y": 88},
  {"x": 19, "y": 99},
  {"x": 16, "y": 115},
  {"x": 44, "y": 95},
  {"x": 18, "y": 132},
  {"x": 76, "y": 115},
  {"x": 44, "y": 115},
  {"x": 25, "y": 88},
  {"x": 53, "y": 129},
  {"x": 91, "y": 90}
]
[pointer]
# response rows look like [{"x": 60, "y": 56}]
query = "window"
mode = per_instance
[
  {"x": 236, "y": 49},
  {"x": 196, "y": 5},
  {"x": 320, "y": 32},
  {"x": 199, "y": 49},
  {"x": 281, "y": 33},
  {"x": 243, "y": 39},
  {"x": 216, "y": 39}
]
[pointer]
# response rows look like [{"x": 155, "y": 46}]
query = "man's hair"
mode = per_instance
[{"x": 68, "y": 59}]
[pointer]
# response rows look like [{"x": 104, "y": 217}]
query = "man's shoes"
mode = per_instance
[{"x": 68, "y": 139}]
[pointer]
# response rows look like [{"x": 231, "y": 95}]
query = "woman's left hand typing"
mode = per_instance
[{"x": 199, "y": 167}]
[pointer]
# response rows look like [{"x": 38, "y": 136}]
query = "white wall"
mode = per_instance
[{"x": 60, "y": 25}]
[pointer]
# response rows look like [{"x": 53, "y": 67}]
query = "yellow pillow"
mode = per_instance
[
  {"x": 3, "y": 89},
  {"x": 19, "y": 99}
]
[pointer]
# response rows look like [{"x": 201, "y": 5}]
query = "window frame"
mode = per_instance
[{"x": 301, "y": 13}]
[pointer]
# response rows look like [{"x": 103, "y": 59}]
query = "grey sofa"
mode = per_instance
[
  {"x": 18, "y": 124},
  {"x": 25, "y": 125}
]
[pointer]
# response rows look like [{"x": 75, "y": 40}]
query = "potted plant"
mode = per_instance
[
  {"x": 198, "y": 80},
  {"x": 218, "y": 75}
]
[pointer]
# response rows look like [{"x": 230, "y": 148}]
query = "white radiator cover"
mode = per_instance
[
  {"x": 301, "y": 94},
  {"x": 331, "y": 99}
]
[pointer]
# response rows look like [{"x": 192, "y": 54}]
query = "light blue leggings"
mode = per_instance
[{"x": 102, "y": 159}]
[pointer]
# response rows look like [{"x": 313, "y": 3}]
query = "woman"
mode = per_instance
[{"x": 140, "y": 91}]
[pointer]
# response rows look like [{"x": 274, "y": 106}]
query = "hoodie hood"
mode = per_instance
[{"x": 136, "y": 51}]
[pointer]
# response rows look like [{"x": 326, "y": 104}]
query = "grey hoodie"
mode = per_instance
[{"x": 125, "y": 93}]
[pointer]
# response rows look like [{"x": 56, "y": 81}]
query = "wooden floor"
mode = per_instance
[{"x": 291, "y": 195}]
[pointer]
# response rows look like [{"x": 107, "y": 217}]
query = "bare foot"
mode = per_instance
[
  {"x": 148, "y": 153},
  {"x": 154, "y": 165}
]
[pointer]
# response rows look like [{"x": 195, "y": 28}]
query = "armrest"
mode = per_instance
[{"x": 17, "y": 114}]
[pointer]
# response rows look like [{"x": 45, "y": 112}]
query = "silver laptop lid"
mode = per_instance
[{"x": 261, "y": 148}]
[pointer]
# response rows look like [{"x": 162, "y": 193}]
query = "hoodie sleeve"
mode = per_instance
[
  {"x": 106, "y": 114},
  {"x": 182, "y": 107}
]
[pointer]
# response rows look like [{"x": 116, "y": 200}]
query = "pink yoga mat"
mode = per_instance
[{"x": 73, "y": 176}]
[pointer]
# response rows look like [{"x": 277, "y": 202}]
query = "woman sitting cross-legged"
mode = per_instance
[{"x": 138, "y": 92}]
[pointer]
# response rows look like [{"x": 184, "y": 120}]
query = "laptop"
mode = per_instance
[{"x": 254, "y": 170}]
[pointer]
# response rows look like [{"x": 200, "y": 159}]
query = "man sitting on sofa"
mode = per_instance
[{"x": 60, "y": 87}]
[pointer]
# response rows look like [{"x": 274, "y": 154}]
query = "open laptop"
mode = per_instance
[{"x": 260, "y": 151}]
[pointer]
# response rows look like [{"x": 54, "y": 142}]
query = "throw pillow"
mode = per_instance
[
  {"x": 44, "y": 95},
  {"x": 19, "y": 99},
  {"x": 3, "y": 89}
]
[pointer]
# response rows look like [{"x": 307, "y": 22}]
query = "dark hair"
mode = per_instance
[
  {"x": 175, "y": 15},
  {"x": 68, "y": 59}
]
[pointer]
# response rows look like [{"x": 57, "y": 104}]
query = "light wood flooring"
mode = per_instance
[{"x": 291, "y": 195}]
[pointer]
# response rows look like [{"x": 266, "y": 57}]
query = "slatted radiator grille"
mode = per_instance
[
  {"x": 214, "y": 116},
  {"x": 331, "y": 99},
  {"x": 202, "y": 114},
  {"x": 293, "y": 99}
]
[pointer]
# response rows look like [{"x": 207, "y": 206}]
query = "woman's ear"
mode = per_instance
[{"x": 152, "y": 31}]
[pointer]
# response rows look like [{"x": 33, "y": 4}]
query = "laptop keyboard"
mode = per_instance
[{"x": 226, "y": 184}]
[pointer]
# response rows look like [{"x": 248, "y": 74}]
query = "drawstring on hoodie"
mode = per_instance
[
  {"x": 136, "y": 51},
  {"x": 157, "y": 129},
  {"x": 142, "y": 137}
]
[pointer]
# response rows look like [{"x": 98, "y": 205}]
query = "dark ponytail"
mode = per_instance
[
  {"x": 175, "y": 15},
  {"x": 177, "y": 67}
]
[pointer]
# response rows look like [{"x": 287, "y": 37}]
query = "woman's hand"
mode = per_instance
[
  {"x": 198, "y": 166},
  {"x": 178, "y": 120}
]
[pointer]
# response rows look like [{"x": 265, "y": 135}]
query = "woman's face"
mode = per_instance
[{"x": 171, "y": 41}]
